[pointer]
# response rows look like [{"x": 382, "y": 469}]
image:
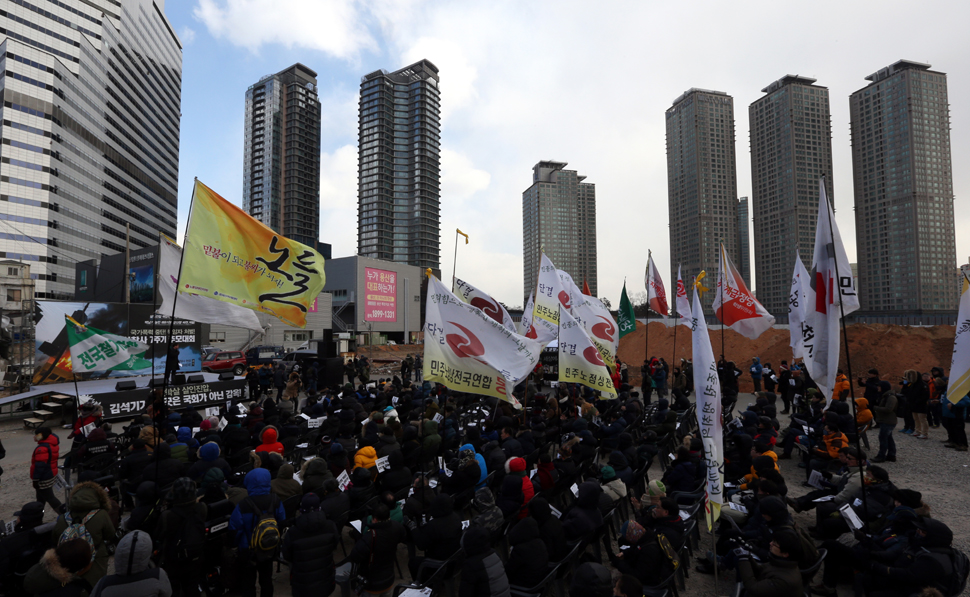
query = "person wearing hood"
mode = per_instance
[
  {"x": 584, "y": 516},
  {"x": 488, "y": 515},
  {"x": 22, "y": 548},
  {"x": 366, "y": 458},
  {"x": 284, "y": 485},
  {"x": 314, "y": 473},
  {"x": 243, "y": 520},
  {"x": 180, "y": 538},
  {"x": 682, "y": 473},
  {"x": 411, "y": 447},
  {"x": 213, "y": 488},
  {"x": 482, "y": 573},
  {"x": 546, "y": 475},
  {"x": 640, "y": 554},
  {"x": 308, "y": 547},
  {"x": 374, "y": 554},
  {"x": 431, "y": 441},
  {"x": 613, "y": 486},
  {"x": 925, "y": 564},
  {"x": 362, "y": 488},
  {"x": 387, "y": 442},
  {"x": 621, "y": 466},
  {"x": 439, "y": 539},
  {"x": 510, "y": 499},
  {"x": 863, "y": 416},
  {"x": 483, "y": 468},
  {"x": 550, "y": 529},
  {"x": 884, "y": 412},
  {"x": 397, "y": 476},
  {"x": 756, "y": 372},
  {"x": 528, "y": 555},
  {"x": 60, "y": 571},
  {"x": 779, "y": 576},
  {"x": 209, "y": 457},
  {"x": 268, "y": 438},
  {"x": 184, "y": 436},
  {"x": 43, "y": 466},
  {"x": 465, "y": 473},
  {"x": 134, "y": 572},
  {"x": 842, "y": 386},
  {"x": 90, "y": 498}
]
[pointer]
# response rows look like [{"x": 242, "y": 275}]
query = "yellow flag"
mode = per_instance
[
  {"x": 231, "y": 257},
  {"x": 463, "y": 234}
]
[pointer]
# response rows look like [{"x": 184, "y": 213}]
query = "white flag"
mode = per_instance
[
  {"x": 579, "y": 359},
  {"x": 192, "y": 306},
  {"x": 550, "y": 295},
  {"x": 960, "y": 364},
  {"x": 710, "y": 427},
  {"x": 525, "y": 324},
  {"x": 489, "y": 306},
  {"x": 656, "y": 294},
  {"x": 594, "y": 317},
  {"x": 820, "y": 332},
  {"x": 469, "y": 351},
  {"x": 796, "y": 307},
  {"x": 683, "y": 303},
  {"x": 734, "y": 304}
]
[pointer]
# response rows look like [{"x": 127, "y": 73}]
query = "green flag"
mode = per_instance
[
  {"x": 628, "y": 321},
  {"x": 96, "y": 350}
]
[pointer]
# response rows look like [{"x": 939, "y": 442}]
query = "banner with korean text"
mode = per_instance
[
  {"x": 234, "y": 258},
  {"x": 380, "y": 295},
  {"x": 709, "y": 421}
]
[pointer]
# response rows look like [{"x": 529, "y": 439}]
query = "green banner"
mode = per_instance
[{"x": 628, "y": 321}]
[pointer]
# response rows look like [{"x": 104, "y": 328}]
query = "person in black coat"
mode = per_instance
[
  {"x": 482, "y": 573},
  {"x": 440, "y": 538},
  {"x": 550, "y": 529},
  {"x": 528, "y": 556},
  {"x": 132, "y": 467},
  {"x": 398, "y": 476},
  {"x": 335, "y": 504},
  {"x": 584, "y": 517},
  {"x": 24, "y": 548},
  {"x": 374, "y": 553},
  {"x": 147, "y": 509},
  {"x": 682, "y": 474},
  {"x": 308, "y": 546},
  {"x": 163, "y": 469},
  {"x": 510, "y": 497},
  {"x": 465, "y": 475}
]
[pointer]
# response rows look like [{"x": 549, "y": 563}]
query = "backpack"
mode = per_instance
[
  {"x": 190, "y": 540},
  {"x": 78, "y": 530},
  {"x": 809, "y": 550},
  {"x": 669, "y": 552},
  {"x": 265, "y": 540},
  {"x": 956, "y": 581}
]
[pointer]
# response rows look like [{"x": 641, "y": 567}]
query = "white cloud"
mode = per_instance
[
  {"x": 187, "y": 35},
  {"x": 460, "y": 179},
  {"x": 335, "y": 27}
]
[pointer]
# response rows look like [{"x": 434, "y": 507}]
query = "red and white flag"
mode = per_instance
[
  {"x": 489, "y": 306},
  {"x": 796, "y": 307},
  {"x": 683, "y": 303},
  {"x": 525, "y": 324},
  {"x": 550, "y": 295},
  {"x": 734, "y": 304},
  {"x": 580, "y": 360},
  {"x": 469, "y": 351},
  {"x": 656, "y": 295},
  {"x": 595, "y": 318},
  {"x": 831, "y": 284}
]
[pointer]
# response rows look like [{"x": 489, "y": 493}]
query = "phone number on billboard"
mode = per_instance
[{"x": 383, "y": 314}]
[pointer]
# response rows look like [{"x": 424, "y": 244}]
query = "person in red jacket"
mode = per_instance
[
  {"x": 43, "y": 466},
  {"x": 516, "y": 468},
  {"x": 269, "y": 436}
]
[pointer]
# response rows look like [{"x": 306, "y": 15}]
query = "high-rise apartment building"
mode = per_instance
[
  {"x": 903, "y": 182},
  {"x": 791, "y": 148},
  {"x": 744, "y": 243},
  {"x": 281, "y": 154},
  {"x": 90, "y": 132},
  {"x": 559, "y": 217},
  {"x": 702, "y": 185},
  {"x": 399, "y": 189}
]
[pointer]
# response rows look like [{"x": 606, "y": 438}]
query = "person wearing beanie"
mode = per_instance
[
  {"x": 90, "y": 498},
  {"x": 268, "y": 436},
  {"x": 439, "y": 538},
  {"x": 209, "y": 457},
  {"x": 180, "y": 536},
  {"x": 613, "y": 486},
  {"x": 308, "y": 547},
  {"x": 284, "y": 485},
  {"x": 482, "y": 573},
  {"x": 366, "y": 458},
  {"x": 96, "y": 444},
  {"x": 528, "y": 555},
  {"x": 242, "y": 522},
  {"x": 20, "y": 549},
  {"x": 779, "y": 576},
  {"x": 60, "y": 571},
  {"x": 515, "y": 467}
]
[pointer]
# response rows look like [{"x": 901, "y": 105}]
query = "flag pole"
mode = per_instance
[
  {"x": 454, "y": 263},
  {"x": 845, "y": 338},
  {"x": 646, "y": 335}
]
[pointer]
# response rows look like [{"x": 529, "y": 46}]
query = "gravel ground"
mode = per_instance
[{"x": 940, "y": 474}]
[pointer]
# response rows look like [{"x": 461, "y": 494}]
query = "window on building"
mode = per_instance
[
  {"x": 13, "y": 294},
  {"x": 217, "y": 337},
  {"x": 13, "y": 271},
  {"x": 301, "y": 336}
]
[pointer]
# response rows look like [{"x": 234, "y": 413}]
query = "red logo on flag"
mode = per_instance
[
  {"x": 532, "y": 332},
  {"x": 604, "y": 330},
  {"x": 462, "y": 346},
  {"x": 564, "y": 299},
  {"x": 593, "y": 356},
  {"x": 488, "y": 307}
]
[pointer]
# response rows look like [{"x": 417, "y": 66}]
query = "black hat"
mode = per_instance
[
  {"x": 788, "y": 542},
  {"x": 773, "y": 507},
  {"x": 183, "y": 491},
  {"x": 908, "y": 497},
  {"x": 878, "y": 472},
  {"x": 31, "y": 511}
]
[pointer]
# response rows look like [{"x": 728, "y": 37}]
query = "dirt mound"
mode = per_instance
[{"x": 891, "y": 349}]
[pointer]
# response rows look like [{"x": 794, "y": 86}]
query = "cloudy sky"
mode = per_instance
[{"x": 581, "y": 82}]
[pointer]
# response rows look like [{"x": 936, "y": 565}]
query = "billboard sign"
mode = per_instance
[
  {"x": 122, "y": 405},
  {"x": 380, "y": 295}
]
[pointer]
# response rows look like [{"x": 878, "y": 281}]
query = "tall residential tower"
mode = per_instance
[
  {"x": 702, "y": 186},
  {"x": 559, "y": 216},
  {"x": 399, "y": 188},
  {"x": 903, "y": 182},
  {"x": 744, "y": 240},
  {"x": 90, "y": 132},
  {"x": 791, "y": 148},
  {"x": 281, "y": 157}
]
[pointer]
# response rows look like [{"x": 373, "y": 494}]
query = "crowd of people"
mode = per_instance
[{"x": 603, "y": 496}]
